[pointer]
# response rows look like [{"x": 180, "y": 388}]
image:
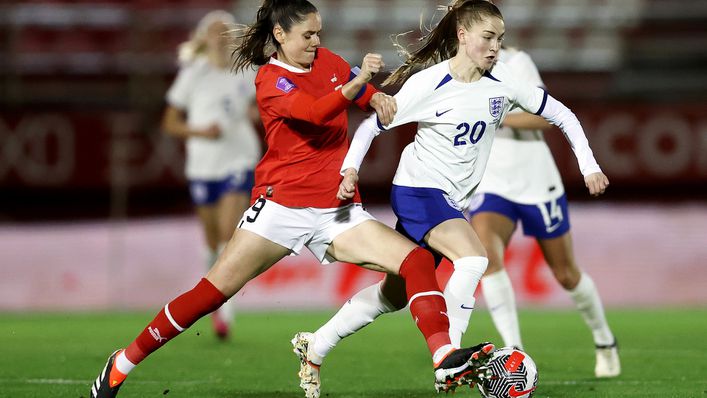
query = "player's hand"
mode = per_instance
[
  {"x": 372, "y": 64},
  {"x": 385, "y": 107},
  {"x": 347, "y": 188},
  {"x": 596, "y": 183},
  {"x": 212, "y": 133}
]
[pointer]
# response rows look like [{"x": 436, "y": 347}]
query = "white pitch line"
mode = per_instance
[
  {"x": 88, "y": 382},
  {"x": 192, "y": 382}
]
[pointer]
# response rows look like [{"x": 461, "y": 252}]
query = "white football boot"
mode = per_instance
[
  {"x": 608, "y": 364},
  {"x": 309, "y": 364}
]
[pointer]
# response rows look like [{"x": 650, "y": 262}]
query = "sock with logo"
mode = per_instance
[
  {"x": 501, "y": 302},
  {"x": 361, "y": 309},
  {"x": 586, "y": 298},
  {"x": 178, "y": 315},
  {"x": 426, "y": 301},
  {"x": 459, "y": 294}
]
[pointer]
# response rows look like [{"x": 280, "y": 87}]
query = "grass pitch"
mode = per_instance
[{"x": 663, "y": 353}]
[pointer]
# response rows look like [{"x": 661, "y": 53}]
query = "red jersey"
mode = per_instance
[{"x": 302, "y": 163}]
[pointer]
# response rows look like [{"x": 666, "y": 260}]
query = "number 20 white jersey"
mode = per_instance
[{"x": 456, "y": 126}]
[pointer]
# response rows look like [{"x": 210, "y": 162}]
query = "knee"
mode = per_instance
[
  {"x": 494, "y": 265},
  {"x": 418, "y": 261},
  {"x": 567, "y": 277}
]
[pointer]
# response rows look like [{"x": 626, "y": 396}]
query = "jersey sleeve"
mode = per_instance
[
  {"x": 281, "y": 98},
  {"x": 363, "y": 98},
  {"x": 558, "y": 114},
  {"x": 525, "y": 70},
  {"x": 409, "y": 101},
  {"x": 528, "y": 96},
  {"x": 361, "y": 142},
  {"x": 181, "y": 89},
  {"x": 275, "y": 94}
]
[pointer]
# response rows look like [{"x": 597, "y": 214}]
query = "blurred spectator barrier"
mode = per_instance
[{"x": 638, "y": 255}]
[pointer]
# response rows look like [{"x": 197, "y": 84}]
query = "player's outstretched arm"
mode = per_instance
[
  {"x": 558, "y": 114},
  {"x": 596, "y": 182},
  {"x": 321, "y": 110},
  {"x": 361, "y": 142}
]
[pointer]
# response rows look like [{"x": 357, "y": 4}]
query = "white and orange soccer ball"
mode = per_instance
[{"x": 513, "y": 374}]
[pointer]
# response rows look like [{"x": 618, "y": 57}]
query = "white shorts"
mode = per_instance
[{"x": 295, "y": 227}]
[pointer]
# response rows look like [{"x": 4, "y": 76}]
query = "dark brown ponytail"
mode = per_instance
[{"x": 257, "y": 41}]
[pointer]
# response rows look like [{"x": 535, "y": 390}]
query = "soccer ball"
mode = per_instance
[{"x": 513, "y": 374}]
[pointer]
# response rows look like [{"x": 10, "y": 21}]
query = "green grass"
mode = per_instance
[{"x": 663, "y": 352}]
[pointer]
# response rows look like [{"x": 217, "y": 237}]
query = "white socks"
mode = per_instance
[
  {"x": 501, "y": 302},
  {"x": 441, "y": 352},
  {"x": 359, "y": 311},
  {"x": 123, "y": 364},
  {"x": 500, "y": 299},
  {"x": 586, "y": 298},
  {"x": 459, "y": 294}
]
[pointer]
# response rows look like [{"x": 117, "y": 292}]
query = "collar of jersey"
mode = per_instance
[
  {"x": 289, "y": 67},
  {"x": 458, "y": 83}
]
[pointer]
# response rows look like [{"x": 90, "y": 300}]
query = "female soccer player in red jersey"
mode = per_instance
[
  {"x": 303, "y": 91},
  {"x": 212, "y": 109}
]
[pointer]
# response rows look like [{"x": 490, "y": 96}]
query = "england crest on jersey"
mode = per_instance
[{"x": 496, "y": 106}]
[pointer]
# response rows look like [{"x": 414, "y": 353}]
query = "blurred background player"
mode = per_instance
[
  {"x": 522, "y": 183},
  {"x": 303, "y": 91},
  {"x": 458, "y": 103},
  {"x": 213, "y": 110}
]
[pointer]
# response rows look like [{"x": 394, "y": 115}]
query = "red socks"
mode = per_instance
[
  {"x": 174, "y": 318},
  {"x": 427, "y": 304}
]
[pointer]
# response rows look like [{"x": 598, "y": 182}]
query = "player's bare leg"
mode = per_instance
[
  {"x": 559, "y": 255},
  {"x": 230, "y": 210},
  {"x": 495, "y": 231}
]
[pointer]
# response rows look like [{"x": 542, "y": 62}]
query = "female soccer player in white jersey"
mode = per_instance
[
  {"x": 458, "y": 104},
  {"x": 303, "y": 91},
  {"x": 213, "y": 110},
  {"x": 522, "y": 183}
]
